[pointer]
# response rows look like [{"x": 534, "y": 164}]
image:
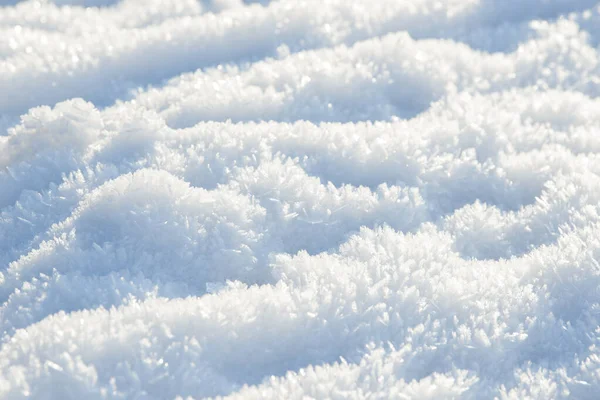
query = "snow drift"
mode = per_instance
[{"x": 292, "y": 199}]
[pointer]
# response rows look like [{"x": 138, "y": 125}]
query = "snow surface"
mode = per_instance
[{"x": 299, "y": 199}]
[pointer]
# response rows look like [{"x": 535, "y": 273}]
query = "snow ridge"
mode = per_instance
[{"x": 299, "y": 199}]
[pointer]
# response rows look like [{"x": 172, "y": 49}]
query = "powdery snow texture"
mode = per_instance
[{"x": 300, "y": 199}]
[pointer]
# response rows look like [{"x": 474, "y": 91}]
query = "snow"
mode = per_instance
[{"x": 299, "y": 199}]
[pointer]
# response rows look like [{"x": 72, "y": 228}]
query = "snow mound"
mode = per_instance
[{"x": 299, "y": 199}]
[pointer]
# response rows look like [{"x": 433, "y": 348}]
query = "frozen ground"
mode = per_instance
[{"x": 321, "y": 198}]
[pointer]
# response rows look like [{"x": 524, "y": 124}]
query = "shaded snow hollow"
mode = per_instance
[{"x": 299, "y": 199}]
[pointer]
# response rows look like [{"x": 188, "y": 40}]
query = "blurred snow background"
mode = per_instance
[{"x": 299, "y": 199}]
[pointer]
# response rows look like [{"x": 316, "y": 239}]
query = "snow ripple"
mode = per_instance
[{"x": 282, "y": 199}]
